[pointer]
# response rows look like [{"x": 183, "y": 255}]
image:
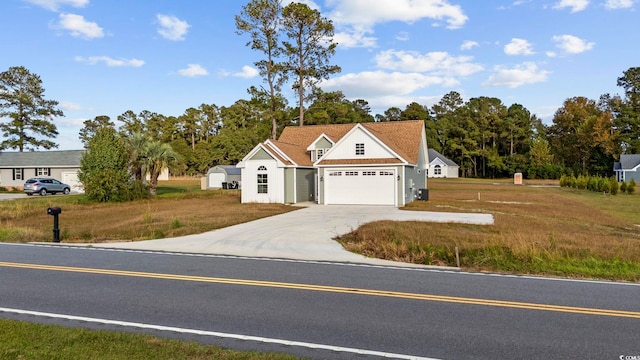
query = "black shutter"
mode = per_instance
[{"x": 13, "y": 171}]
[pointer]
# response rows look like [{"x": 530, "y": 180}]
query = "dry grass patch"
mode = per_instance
[
  {"x": 178, "y": 210},
  {"x": 537, "y": 230}
]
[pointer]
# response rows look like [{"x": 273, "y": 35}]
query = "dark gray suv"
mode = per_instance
[{"x": 43, "y": 186}]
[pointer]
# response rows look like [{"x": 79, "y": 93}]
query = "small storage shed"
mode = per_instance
[{"x": 222, "y": 174}]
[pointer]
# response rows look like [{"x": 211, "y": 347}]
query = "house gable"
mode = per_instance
[
  {"x": 261, "y": 154},
  {"x": 360, "y": 146}
]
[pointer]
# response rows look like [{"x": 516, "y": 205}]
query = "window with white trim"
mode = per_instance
[
  {"x": 319, "y": 153},
  {"x": 437, "y": 170},
  {"x": 263, "y": 180},
  {"x": 263, "y": 184},
  {"x": 360, "y": 149},
  {"x": 43, "y": 171},
  {"x": 17, "y": 174}
]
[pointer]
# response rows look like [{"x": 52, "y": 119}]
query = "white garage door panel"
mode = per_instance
[
  {"x": 72, "y": 180},
  {"x": 216, "y": 180},
  {"x": 367, "y": 187}
]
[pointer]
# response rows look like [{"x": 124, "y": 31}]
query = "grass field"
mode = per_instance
[
  {"x": 180, "y": 208},
  {"x": 22, "y": 340},
  {"x": 539, "y": 228}
]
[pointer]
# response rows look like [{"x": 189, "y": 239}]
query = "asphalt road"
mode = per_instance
[{"x": 321, "y": 310}]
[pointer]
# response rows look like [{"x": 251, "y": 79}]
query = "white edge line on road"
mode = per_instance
[
  {"x": 214, "y": 334},
  {"x": 320, "y": 262}
]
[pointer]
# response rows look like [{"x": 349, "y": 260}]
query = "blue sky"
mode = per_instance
[{"x": 104, "y": 57}]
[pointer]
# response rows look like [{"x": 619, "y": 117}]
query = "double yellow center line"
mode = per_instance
[{"x": 333, "y": 289}]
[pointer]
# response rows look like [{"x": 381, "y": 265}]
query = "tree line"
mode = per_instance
[{"x": 295, "y": 43}]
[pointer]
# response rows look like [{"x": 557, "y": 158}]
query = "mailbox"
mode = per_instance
[{"x": 55, "y": 211}]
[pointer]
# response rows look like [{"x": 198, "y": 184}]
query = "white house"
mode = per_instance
[
  {"x": 381, "y": 163},
  {"x": 441, "y": 167}
]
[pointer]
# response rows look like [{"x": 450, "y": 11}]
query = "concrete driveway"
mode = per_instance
[
  {"x": 9, "y": 196},
  {"x": 304, "y": 234}
]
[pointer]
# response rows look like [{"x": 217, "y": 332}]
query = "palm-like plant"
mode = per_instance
[{"x": 157, "y": 156}]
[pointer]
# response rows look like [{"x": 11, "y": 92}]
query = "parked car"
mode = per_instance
[{"x": 44, "y": 186}]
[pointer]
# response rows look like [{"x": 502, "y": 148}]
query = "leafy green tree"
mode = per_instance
[
  {"x": 309, "y": 50},
  {"x": 627, "y": 111},
  {"x": 415, "y": 111},
  {"x": 261, "y": 20},
  {"x": 444, "y": 116},
  {"x": 134, "y": 145},
  {"x": 335, "y": 108},
  {"x": 104, "y": 168},
  {"x": 30, "y": 114},
  {"x": 393, "y": 114},
  {"x": 582, "y": 136},
  {"x": 131, "y": 124},
  {"x": 243, "y": 127},
  {"x": 92, "y": 126}
]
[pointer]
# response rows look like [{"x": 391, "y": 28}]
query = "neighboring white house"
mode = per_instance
[
  {"x": 441, "y": 166},
  {"x": 16, "y": 167},
  {"x": 628, "y": 167},
  {"x": 381, "y": 163}
]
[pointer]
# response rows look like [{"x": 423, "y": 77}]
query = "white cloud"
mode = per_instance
[
  {"x": 618, "y": 4},
  {"x": 518, "y": 47},
  {"x": 369, "y": 13},
  {"x": 526, "y": 73},
  {"x": 468, "y": 45},
  {"x": 111, "y": 62},
  {"x": 193, "y": 70},
  {"x": 372, "y": 84},
  {"x": 437, "y": 62},
  {"x": 574, "y": 5},
  {"x": 172, "y": 28},
  {"x": 402, "y": 36},
  {"x": 355, "y": 19},
  {"x": 572, "y": 45},
  {"x": 69, "y": 106},
  {"x": 354, "y": 38},
  {"x": 79, "y": 27},
  {"x": 54, "y": 5},
  {"x": 247, "y": 72}
]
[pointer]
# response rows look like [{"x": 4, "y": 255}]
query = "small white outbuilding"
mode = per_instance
[{"x": 219, "y": 175}]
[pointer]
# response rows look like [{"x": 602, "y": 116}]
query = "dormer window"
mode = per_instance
[
  {"x": 319, "y": 153},
  {"x": 360, "y": 149}
]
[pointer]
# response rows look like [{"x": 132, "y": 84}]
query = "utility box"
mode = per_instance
[
  {"x": 517, "y": 178},
  {"x": 423, "y": 194}
]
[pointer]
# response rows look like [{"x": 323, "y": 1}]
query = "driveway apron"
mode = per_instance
[{"x": 304, "y": 234}]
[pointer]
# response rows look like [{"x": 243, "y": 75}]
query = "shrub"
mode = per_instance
[
  {"x": 613, "y": 185},
  {"x": 603, "y": 185},
  {"x": 623, "y": 187},
  {"x": 631, "y": 188}
]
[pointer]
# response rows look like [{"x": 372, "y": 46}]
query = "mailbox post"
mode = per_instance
[{"x": 55, "y": 211}]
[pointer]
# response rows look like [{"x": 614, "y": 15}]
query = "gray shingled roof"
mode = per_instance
[
  {"x": 434, "y": 154},
  {"x": 57, "y": 158},
  {"x": 629, "y": 161},
  {"x": 230, "y": 169}
]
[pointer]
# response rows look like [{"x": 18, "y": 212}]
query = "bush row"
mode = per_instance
[{"x": 598, "y": 184}]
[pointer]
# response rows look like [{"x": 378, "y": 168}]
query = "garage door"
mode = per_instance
[
  {"x": 71, "y": 178},
  {"x": 358, "y": 186},
  {"x": 216, "y": 180}
]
